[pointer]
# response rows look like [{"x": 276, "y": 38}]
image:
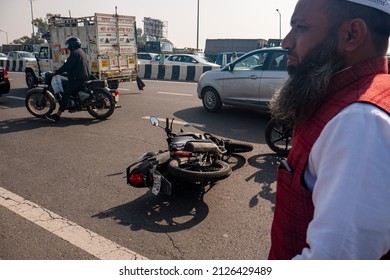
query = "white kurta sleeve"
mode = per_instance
[{"x": 348, "y": 171}]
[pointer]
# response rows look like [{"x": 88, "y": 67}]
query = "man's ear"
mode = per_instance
[{"x": 353, "y": 34}]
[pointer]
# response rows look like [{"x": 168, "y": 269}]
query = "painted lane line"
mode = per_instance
[
  {"x": 79, "y": 236},
  {"x": 174, "y": 93},
  {"x": 178, "y": 122},
  {"x": 16, "y": 97}
]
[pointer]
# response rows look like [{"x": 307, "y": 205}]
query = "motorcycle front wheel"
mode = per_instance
[
  {"x": 184, "y": 169},
  {"x": 101, "y": 105},
  {"x": 39, "y": 103}
]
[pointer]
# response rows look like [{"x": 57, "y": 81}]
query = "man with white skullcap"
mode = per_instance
[{"x": 333, "y": 191}]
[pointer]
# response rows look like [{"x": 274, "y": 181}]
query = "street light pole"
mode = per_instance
[
  {"x": 32, "y": 18},
  {"x": 6, "y": 34},
  {"x": 197, "y": 29},
  {"x": 280, "y": 24}
]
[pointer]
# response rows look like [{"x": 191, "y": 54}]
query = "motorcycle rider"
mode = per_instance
[{"x": 78, "y": 72}]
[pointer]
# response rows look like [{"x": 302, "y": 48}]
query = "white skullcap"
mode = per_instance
[{"x": 383, "y": 5}]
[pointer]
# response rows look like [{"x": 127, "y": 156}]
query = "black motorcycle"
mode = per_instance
[
  {"x": 94, "y": 96},
  {"x": 279, "y": 137},
  {"x": 191, "y": 158}
]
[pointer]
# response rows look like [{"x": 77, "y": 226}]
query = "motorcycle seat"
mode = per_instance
[{"x": 94, "y": 84}]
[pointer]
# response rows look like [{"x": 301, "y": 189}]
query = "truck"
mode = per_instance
[
  {"x": 215, "y": 46},
  {"x": 109, "y": 41},
  {"x": 6, "y": 48}
]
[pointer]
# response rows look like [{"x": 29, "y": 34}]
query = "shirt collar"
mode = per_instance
[{"x": 353, "y": 73}]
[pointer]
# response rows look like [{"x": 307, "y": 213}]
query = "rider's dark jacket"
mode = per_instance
[{"x": 76, "y": 66}]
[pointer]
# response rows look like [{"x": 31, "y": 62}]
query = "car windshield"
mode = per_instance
[
  {"x": 26, "y": 54},
  {"x": 252, "y": 62},
  {"x": 202, "y": 59}
]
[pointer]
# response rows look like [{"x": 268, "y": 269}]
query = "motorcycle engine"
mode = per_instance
[{"x": 71, "y": 103}]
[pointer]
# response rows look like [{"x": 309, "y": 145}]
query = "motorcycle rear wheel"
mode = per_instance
[
  {"x": 38, "y": 103},
  {"x": 101, "y": 105},
  {"x": 182, "y": 168}
]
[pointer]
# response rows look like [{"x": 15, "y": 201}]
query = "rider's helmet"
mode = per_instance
[{"x": 73, "y": 43}]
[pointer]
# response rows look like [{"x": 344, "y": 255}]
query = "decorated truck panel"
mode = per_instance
[{"x": 109, "y": 40}]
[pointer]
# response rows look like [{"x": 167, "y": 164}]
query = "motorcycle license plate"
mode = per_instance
[
  {"x": 156, "y": 183},
  {"x": 160, "y": 184}
]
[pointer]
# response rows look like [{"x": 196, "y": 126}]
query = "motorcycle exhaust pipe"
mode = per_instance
[{"x": 201, "y": 147}]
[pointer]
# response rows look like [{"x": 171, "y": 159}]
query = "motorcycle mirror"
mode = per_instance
[{"x": 154, "y": 121}]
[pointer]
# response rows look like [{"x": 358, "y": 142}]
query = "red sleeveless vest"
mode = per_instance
[{"x": 366, "y": 82}]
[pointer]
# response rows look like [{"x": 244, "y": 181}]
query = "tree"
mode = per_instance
[{"x": 42, "y": 26}]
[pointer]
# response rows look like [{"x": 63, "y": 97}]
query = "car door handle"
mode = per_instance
[{"x": 253, "y": 77}]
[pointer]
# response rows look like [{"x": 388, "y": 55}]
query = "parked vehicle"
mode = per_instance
[
  {"x": 250, "y": 81},
  {"x": 146, "y": 58},
  {"x": 109, "y": 40},
  {"x": 156, "y": 59},
  {"x": 278, "y": 137},
  {"x": 20, "y": 55},
  {"x": 191, "y": 158},
  {"x": 189, "y": 60},
  {"x": 94, "y": 96},
  {"x": 16, "y": 60},
  {"x": 215, "y": 46},
  {"x": 4, "y": 81}
]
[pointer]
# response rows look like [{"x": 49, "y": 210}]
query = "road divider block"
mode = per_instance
[{"x": 172, "y": 72}]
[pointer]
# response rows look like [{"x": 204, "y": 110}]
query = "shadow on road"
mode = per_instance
[
  {"x": 266, "y": 175},
  {"x": 24, "y": 124},
  {"x": 231, "y": 122},
  {"x": 182, "y": 210}
]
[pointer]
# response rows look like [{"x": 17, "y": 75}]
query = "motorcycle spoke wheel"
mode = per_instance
[
  {"x": 278, "y": 138},
  {"x": 184, "y": 169},
  {"x": 102, "y": 105},
  {"x": 39, "y": 104}
]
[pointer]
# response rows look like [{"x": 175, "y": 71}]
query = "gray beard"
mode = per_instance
[{"x": 306, "y": 88}]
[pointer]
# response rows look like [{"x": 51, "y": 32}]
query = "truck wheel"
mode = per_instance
[{"x": 31, "y": 80}]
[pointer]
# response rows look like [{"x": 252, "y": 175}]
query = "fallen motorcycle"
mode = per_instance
[
  {"x": 94, "y": 96},
  {"x": 191, "y": 158}
]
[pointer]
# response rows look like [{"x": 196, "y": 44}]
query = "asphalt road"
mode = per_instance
[{"x": 76, "y": 169}]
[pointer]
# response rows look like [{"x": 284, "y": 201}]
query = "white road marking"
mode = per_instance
[
  {"x": 16, "y": 97},
  {"x": 178, "y": 122},
  {"x": 79, "y": 236},
  {"x": 174, "y": 93}
]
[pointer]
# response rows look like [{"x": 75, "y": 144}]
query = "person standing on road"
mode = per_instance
[
  {"x": 78, "y": 72},
  {"x": 333, "y": 191}
]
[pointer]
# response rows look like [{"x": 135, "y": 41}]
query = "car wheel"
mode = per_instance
[{"x": 211, "y": 100}]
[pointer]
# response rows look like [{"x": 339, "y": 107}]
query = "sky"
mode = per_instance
[{"x": 218, "y": 19}]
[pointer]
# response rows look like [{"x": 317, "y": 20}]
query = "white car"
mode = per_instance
[
  {"x": 20, "y": 55},
  {"x": 156, "y": 59},
  {"x": 189, "y": 60},
  {"x": 145, "y": 57},
  {"x": 250, "y": 81}
]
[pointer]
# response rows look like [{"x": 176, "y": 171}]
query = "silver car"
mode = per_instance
[{"x": 250, "y": 81}]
